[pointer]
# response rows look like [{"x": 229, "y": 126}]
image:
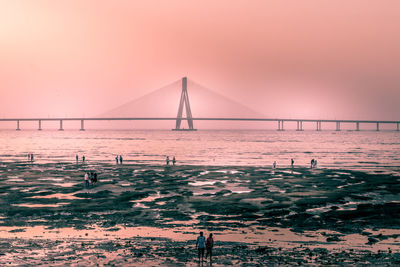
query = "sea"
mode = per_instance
[{"x": 363, "y": 150}]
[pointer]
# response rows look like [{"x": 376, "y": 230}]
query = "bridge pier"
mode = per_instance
[
  {"x": 82, "y": 125},
  {"x": 338, "y": 126},
  {"x": 61, "y": 126},
  {"x": 377, "y": 126},
  {"x": 299, "y": 126},
  {"x": 280, "y": 126},
  {"x": 318, "y": 126},
  {"x": 357, "y": 126},
  {"x": 18, "y": 129},
  {"x": 40, "y": 125}
]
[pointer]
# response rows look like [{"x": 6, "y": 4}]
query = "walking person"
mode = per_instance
[
  {"x": 209, "y": 246},
  {"x": 83, "y": 159},
  {"x": 167, "y": 160},
  {"x": 312, "y": 163},
  {"x": 120, "y": 159},
  {"x": 292, "y": 163},
  {"x": 86, "y": 180},
  {"x": 116, "y": 159},
  {"x": 201, "y": 245},
  {"x": 173, "y": 161},
  {"x": 77, "y": 158},
  {"x": 274, "y": 165}
]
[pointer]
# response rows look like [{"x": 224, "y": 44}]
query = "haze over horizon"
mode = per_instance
[{"x": 314, "y": 59}]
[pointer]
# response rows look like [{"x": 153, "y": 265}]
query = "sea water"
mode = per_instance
[{"x": 331, "y": 149}]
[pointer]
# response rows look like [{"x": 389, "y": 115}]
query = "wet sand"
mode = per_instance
[{"x": 151, "y": 215}]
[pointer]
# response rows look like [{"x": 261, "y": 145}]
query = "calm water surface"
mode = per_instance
[{"x": 356, "y": 150}]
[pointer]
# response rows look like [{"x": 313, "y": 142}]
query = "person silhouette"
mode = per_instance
[
  {"x": 209, "y": 246},
  {"x": 201, "y": 244},
  {"x": 167, "y": 160},
  {"x": 120, "y": 159},
  {"x": 173, "y": 161},
  {"x": 86, "y": 180},
  {"x": 116, "y": 159}
]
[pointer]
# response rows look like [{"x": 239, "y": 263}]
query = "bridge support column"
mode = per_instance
[
  {"x": 338, "y": 126},
  {"x": 61, "y": 126},
  {"x": 280, "y": 125},
  {"x": 40, "y": 125},
  {"x": 18, "y": 129},
  {"x": 82, "y": 125},
  {"x": 301, "y": 125},
  {"x": 377, "y": 126},
  {"x": 318, "y": 126},
  {"x": 357, "y": 126}
]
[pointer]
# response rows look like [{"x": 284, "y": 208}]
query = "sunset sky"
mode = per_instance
[{"x": 312, "y": 59}]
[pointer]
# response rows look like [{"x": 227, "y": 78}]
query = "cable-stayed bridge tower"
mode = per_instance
[
  {"x": 184, "y": 102},
  {"x": 167, "y": 94}
]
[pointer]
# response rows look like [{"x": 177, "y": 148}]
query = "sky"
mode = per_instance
[{"x": 291, "y": 59}]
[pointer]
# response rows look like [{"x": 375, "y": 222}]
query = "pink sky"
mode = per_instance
[{"x": 313, "y": 59}]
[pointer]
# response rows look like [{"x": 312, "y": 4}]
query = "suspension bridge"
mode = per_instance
[{"x": 184, "y": 107}]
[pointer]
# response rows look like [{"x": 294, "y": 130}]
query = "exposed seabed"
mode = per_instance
[{"x": 151, "y": 215}]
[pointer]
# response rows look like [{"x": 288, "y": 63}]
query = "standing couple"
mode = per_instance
[
  {"x": 203, "y": 244},
  {"x": 173, "y": 160}
]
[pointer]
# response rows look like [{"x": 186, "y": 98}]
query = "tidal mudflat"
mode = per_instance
[{"x": 151, "y": 215}]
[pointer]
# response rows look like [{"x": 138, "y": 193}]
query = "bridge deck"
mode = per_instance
[
  {"x": 197, "y": 119},
  {"x": 190, "y": 120}
]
